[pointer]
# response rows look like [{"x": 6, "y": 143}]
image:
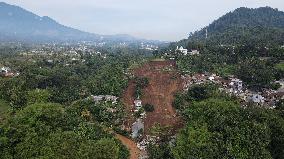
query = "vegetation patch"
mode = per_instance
[
  {"x": 280, "y": 66},
  {"x": 148, "y": 107},
  {"x": 4, "y": 107}
]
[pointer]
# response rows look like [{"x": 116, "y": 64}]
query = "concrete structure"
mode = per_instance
[
  {"x": 211, "y": 78},
  {"x": 136, "y": 127},
  {"x": 5, "y": 70},
  {"x": 256, "y": 98},
  {"x": 106, "y": 98},
  {"x": 194, "y": 52},
  {"x": 236, "y": 85},
  {"x": 138, "y": 104},
  {"x": 182, "y": 50}
]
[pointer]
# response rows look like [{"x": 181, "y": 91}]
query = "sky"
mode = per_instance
[{"x": 168, "y": 20}]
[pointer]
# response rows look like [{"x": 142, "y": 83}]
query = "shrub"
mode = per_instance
[{"x": 148, "y": 107}]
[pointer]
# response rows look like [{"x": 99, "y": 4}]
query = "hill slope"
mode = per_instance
[
  {"x": 263, "y": 25},
  {"x": 18, "y": 24}
]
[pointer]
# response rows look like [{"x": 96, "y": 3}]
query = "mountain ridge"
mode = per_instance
[
  {"x": 263, "y": 25},
  {"x": 18, "y": 24}
]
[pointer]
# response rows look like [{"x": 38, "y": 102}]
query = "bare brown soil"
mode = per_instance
[
  {"x": 164, "y": 82},
  {"x": 134, "y": 151}
]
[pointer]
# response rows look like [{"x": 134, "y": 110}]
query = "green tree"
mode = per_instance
[
  {"x": 159, "y": 151},
  {"x": 104, "y": 149},
  {"x": 38, "y": 96},
  {"x": 195, "y": 142},
  {"x": 255, "y": 73},
  {"x": 148, "y": 107},
  {"x": 200, "y": 92},
  {"x": 218, "y": 128}
]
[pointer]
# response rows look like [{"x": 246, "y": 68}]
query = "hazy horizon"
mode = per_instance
[{"x": 166, "y": 20}]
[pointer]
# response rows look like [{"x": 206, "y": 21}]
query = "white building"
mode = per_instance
[
  {"x": 236, "y": 85},
  {"x": 256, "y": 98},
  {"x": 194, "y": 52},
  {"x": 106, "y": 98},
  {"x": 182, "y": 50},
  {"x": 211, "y": 78},
  {"x": 137, "y": 104},
  {"x": 111, "y": 98},
  {"x": 5, "y": 69},
  {"x": 186, "y": 52}
]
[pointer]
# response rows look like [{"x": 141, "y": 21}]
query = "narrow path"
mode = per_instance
[{"x": 131, "y": 145}]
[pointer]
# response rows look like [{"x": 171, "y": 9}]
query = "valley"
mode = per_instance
[{"x": 72, "y": 94}]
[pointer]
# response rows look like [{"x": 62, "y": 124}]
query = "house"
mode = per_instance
[
  {"x": 136, "y": 127},
  {"x": 137, "y": 104},
  {"x": 110, "y": 98},
  {"x": 74, "y": 59},
  {"x": 5, "y": 70},
  {"x": 211, "y": 78},
  {"x": 106, "y": 98},
  {"x": 194, "y": 52},
  {"x": 98, "y": 98},
  {"x": 199, "y": 78},
  {"x": 50, "y": 61},
  {"x": 182, "y": 50},
  {"x": 236, "y": 85},
  {"x": 256, "y": 98}
]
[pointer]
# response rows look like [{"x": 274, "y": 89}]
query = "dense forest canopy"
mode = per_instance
[
  {"x": 47, "y": 111},
  {"x": 261, "y": 26}
]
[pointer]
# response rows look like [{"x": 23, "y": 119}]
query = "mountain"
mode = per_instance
[
  {"x": 18, "y": 24},
  {"x": 263, "y": 26}
]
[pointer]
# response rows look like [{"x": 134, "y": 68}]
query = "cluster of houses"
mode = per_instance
[
  {"x": 7, "y": 72},
  {"x": 149, "y": 47},
  {"x": 186, "y": 52},
  {"x": 105, "y": 98},
  {"x": 73, "y": 53},
  {"x": 234, "y": 86}
]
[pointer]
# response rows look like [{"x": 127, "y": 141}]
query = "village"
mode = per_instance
[
  {"x": 143, "y": 120},
  {"x": 233, "y": 86}
]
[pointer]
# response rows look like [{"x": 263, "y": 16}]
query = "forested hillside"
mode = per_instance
[{"x": 243, "y": 26}]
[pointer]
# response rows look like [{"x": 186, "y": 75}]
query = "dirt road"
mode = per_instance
[{"x": 131, "y": 145}]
